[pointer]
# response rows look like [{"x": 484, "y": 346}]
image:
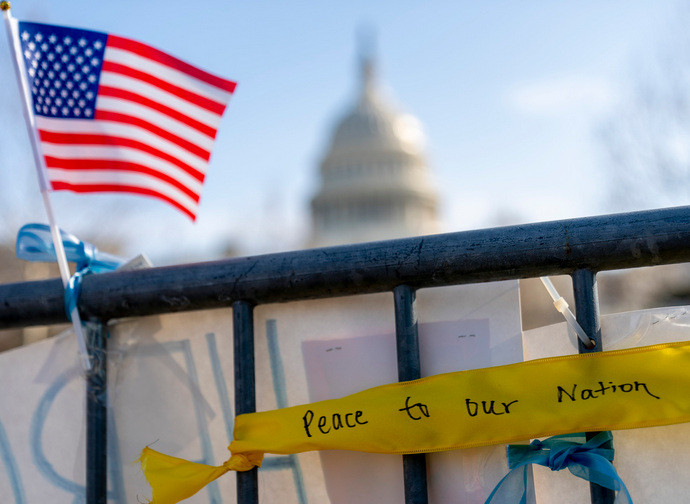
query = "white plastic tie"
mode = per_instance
[{"x": 562, "y": 306}]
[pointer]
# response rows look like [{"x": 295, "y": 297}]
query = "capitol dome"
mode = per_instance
[
  {"x": 374, "y": 180},
  {"x": 373, "y": 122}
]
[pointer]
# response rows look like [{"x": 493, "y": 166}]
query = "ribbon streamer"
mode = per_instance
[
  {"x": 589, "y": 460},
  {"x": 34, "y": 244},
  {"x": 621, "y": 389}
]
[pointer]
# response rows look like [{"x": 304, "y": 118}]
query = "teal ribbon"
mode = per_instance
[
  {"x": 35, "y": 244},
  {"x": 589, "y": 460}
]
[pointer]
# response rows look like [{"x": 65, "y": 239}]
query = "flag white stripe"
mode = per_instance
[
  {"x": 97, "y": 152},
  {"x": 163, "y": 121},
  {"x": 107, "y": 177},
  {"x": 158, "y": 95},
  {"x": 116, "y": 129},
  {"x": 166, "y": 73}
]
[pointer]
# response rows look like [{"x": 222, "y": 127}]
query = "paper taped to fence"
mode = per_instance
[
  {"x": 347, "y": 345},
  {"x": 165, "y": 382}
]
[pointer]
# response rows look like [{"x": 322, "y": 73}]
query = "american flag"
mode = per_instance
[{"x": 116, "y": 115}]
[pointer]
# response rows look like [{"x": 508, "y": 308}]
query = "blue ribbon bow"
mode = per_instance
[
  {"x": 35, "y": 244},
  {"x": 585, "y": 459}
]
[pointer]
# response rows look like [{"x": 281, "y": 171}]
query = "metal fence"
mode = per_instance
[{"x": 579, "y": 247}]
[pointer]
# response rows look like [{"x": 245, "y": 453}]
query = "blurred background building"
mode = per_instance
[{"x": 374, "y": 181}]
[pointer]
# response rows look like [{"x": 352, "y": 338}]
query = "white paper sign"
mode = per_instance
[
  {"x": 341, "y": 346},
  {"x": 170, "y": 385},
  {"x": 42, "y": 401}
]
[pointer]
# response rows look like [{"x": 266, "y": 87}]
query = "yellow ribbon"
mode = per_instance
[
  {"x": 624, "y": 389},
  {"x": 174, "y": 479}
]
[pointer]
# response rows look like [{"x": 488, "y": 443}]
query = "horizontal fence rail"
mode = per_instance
[{"x": 559, "y": 247}]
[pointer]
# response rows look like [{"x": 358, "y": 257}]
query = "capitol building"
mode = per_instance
[{"x": 375, "y": 183}]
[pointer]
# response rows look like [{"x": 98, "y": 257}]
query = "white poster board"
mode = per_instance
[{"x": 167, "y": 386}]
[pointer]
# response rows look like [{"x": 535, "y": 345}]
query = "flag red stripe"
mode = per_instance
[
  {"x": 104, "y": 164},
  {"x": 164, "y": 109},
  {"x": 154, "y": 54},
  {"x": 87, "y": 188},
  {"x": 137, "y": 121},
  {"x": 90, "y": 139},
  {"x": 196, "y": 99}
]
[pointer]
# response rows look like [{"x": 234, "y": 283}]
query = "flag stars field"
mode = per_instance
[{"x": 77, "y": 68}]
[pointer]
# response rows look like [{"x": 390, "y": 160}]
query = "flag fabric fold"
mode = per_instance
[{"x": 116, "y": 115}]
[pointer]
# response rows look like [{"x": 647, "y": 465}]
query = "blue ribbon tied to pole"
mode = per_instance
[
  {"x": 35, "y": 244},
  {"x": 588, "y": 460}
]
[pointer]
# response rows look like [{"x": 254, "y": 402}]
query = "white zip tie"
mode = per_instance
[{"x": 562, "y": 306}]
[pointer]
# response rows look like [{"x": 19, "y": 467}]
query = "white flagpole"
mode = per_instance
[{"x": 13, "y": 38}]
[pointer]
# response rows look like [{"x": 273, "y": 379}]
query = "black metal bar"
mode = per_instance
[
  {"x": 409, "y": 368},
  {"x": 96, "y": 417},
  {"x": 533, "y": 250},
  {"x": 245, "y": 388},
  {"x": 407, "y": 336},
  {"x": 587, "y": 315},
  {"x": 586, "y": 298}
]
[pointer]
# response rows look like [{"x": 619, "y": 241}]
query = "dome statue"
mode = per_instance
[{"x": 374, "y": 180}]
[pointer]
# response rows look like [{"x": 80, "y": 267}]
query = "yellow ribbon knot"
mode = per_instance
[
  {"x": 174, "y": 479},
  {"x": 243, "y": 461}
]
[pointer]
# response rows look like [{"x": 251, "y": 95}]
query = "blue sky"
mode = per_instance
[{"x": 510, "y": 95}]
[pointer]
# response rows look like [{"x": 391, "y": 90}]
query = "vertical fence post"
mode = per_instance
[
  {"x": 96, "y": 416},
  {"x": 245, "y": 388},
  {"x": 409, "y": 368},
  {"x": 587, "y": 315}
]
